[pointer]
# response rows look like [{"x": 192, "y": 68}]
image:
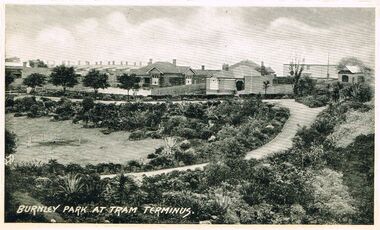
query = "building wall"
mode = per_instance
[
  {"x": 254, "y": 85},
  {"x": 352, "y": 78},
  {"x": 315, "y": 71},
  {"x": 224, "y": 86}
]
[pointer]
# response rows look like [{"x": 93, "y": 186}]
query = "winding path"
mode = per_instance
[{"x": 300, "y": 115}]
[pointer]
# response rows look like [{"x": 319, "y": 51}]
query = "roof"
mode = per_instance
[
  {"x": 246, "y": 63},
  {"x": 224, "y": 74},
  {"x": 353, "y": 69},
  {"x": 164, "y": 67},
  {"x": 206, "y": 72}
]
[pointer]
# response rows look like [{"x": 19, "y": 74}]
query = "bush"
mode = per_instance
[
  {"x": 137, "y": 135},
  {"x": 314, "y": 101}
]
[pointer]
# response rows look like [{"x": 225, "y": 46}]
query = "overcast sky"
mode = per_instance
[{"x": 193, "y": 35}]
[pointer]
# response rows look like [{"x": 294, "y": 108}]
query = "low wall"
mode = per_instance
[{"x": 195, "y": 89}]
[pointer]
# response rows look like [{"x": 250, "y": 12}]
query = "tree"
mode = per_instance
[
  {"x": 64, "y": 76},
  {"x": 10, "y": 143},
  {"x": 353, "y": 61},
  {"x": 306, "y": 86},
  {"x": 295, "y": 70},
  {"x": 37, "y": 63},
  {"x": 87, "y": 104},
  {"x": 35, "y": 79},
  {"x": 128, "y": 82},
  {"x": 266, "y": 85},
  {"x": 96, "y": 80},
  {"x": 9, "y": 79}
]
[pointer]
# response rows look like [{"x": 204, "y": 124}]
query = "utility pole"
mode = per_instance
[{"x": 328, "y": 65}]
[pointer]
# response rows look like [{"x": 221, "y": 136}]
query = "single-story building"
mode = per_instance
[
  {"x": 164, "y": 74},
  {"x": 221, "y": 83},
  {"x": 351, "y": 74}
]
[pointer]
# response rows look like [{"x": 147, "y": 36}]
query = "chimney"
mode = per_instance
[
  {"x": 225, "y": 67},
  {"x": 150, "y": 61},
  {"x": 126, "y": 63},
  {"x": 78, "y": 62},
  {"x": 121, "y": 63},
  {"x": 68, "y": 63},
  {"x": 87, "y": 63},
  {"x": 109, "y": 62},
  {"x": 262, "y": 69},
  {"x": 203, "y": 67},
  {"x": 140, "y": 63},
  {"x": 101, "y": 63},
  {"x": 63, "y": 62},
  {"x": 24, "y": 64},
  {"x": 134, "y": 63},
  {"x": 175, "y": 62},
  {"x": 113, "y": 62},
  {"x": 96, "y": 63}
]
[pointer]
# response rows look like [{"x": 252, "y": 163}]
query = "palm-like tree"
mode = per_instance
[{"x": 72, "y": 184}]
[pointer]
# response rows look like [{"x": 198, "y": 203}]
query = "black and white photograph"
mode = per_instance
[{"x": 188, "y": 113}]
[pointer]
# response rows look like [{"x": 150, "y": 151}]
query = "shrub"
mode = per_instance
[
  {"x": 137, "y": 135},
  {"x": 314, "y": 101},
  {"x": 33, "y": 111}
]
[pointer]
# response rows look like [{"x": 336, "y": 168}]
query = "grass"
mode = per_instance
[{"x": 71, "y": 143}]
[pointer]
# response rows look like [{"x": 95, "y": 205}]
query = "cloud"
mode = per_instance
[
  {"x": 290, "y": 27},
  {"x": 87, "y": 25},
  {"x": 207, "y": 36}
]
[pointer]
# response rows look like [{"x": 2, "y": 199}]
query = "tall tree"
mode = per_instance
[
  {"x": 128, "y": 82},
  {"x": 64, "y": 76},
  {"x": 9, "y": 79},
  {"x": 34, "y": 80},
  {"x": 96, "y": 80},
  {"x": 295, "y": 70}
]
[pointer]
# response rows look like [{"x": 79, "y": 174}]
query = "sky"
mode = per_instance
[{"x": 194, "y": 36}]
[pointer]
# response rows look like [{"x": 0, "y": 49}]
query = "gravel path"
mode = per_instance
[{"x": 300, "y": 115}]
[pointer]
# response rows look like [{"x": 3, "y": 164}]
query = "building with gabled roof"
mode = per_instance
[
  {"x": 164, "y": 74},
  {"x": 351, "y": 74}
]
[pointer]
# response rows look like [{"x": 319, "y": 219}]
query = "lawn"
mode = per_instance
[{"x": 40, "y": 139}]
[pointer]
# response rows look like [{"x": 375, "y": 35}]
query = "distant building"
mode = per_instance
[
  {"x": 164, "y": 74},
  {"x": 317, "y": 71},
  {"x": 243, "y": 77},
  {"x": 221, "y": 83},
  {"x": 22, "y": 69},
  {"x": 351, "y": 74}
]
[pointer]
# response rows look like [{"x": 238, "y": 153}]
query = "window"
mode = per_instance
[
  {"x": 344, "y": 78},
  {"x": 188, "y": 81},
  {"x": 361, "y": 79},
  {"x": 146, "y": 80}
]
